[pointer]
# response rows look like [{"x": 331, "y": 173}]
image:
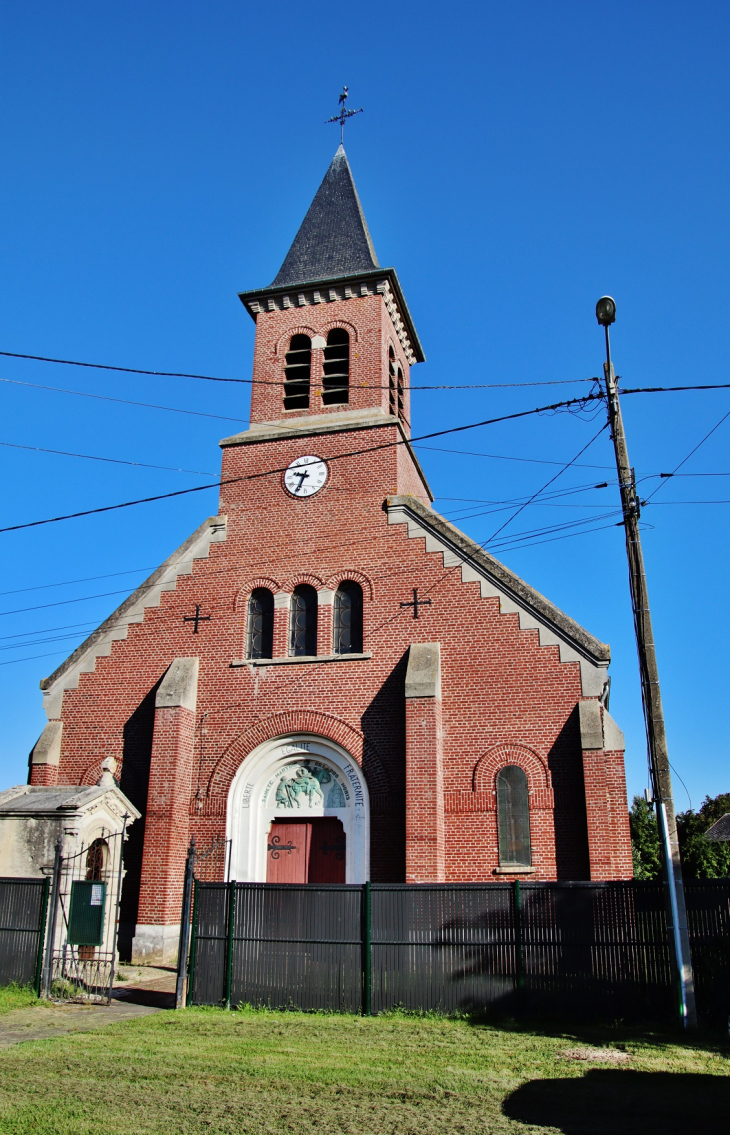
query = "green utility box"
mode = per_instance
[{"x": 86, "y": 914}]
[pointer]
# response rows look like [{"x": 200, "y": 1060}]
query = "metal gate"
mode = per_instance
[{"x": 81, "y": 945}]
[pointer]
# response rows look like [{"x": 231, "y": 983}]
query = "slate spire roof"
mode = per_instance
[{"x": 333, "y": 239}]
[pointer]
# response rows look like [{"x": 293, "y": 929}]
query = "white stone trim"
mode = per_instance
[
  {"x": 147, "y": 595},
  {"x": 250, "y": 810},
  {"x": 312, "y": 296},
  {"x": 593, "y": 674}
]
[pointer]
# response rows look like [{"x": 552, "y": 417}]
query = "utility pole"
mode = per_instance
[{"x": 650, "y": 692}]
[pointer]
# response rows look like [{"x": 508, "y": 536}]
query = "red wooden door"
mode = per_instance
[
  {"x": 287, "y": 852},
  {"x": 306, "y": 851},
  {"x": 327, "y": 855}
]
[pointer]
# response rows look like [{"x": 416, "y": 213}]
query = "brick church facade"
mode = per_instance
[{"x": 268, "y": 686}]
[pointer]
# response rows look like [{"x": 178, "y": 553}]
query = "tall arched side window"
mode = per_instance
[
  {"x": 260, "y": 624},
  {"x": 336, "y": 380},
  {"x": 348, "y": 618},
  {"x": 392, "y": 405},
  {"x": 513, "y": 817},
  {"x": 297, "y": 373},
  {"x": 303, "y": 638},
  {"x": 399, "y": 385}
]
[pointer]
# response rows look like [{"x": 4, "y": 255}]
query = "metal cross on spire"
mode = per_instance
[{"x": 344, "y": 114}]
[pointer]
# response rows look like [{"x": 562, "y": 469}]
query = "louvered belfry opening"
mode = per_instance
[
  {"x": 336, "y": 377},
  {"x": 260, "y": 624},
  {"x": 391, "y": 382},
  {"x": 297, "y": 373},
  {"x": 304, "y": 621},
  {"x": 399, "y": 385}
]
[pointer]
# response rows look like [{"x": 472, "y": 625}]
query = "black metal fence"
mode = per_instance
[
  {"x": 23, "y": 908},
  {"x": 570, "y": 947}
]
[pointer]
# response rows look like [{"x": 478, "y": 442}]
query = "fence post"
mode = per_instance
[
  {"x": 117, "y": 912},
  {"x": 367, "y": 952},
  {"x": 519, "y": 959},
  {"x": 229, "y": 951},
  {"x": 193, "y": 944},
  {"x": 182, "y": 953},
  {"x": 41, "y": 937},
  {"x": 55, "y": 898}
]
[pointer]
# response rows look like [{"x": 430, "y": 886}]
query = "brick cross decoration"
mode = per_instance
[
  {"x": 196, "y": 619},
  {"x": 416, "y": 603}
]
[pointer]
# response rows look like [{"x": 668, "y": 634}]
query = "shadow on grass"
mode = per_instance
[{"x": 608, "y": 1102}]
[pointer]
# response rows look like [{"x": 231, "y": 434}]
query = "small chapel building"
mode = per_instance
[{"x": 327, "y": 673}]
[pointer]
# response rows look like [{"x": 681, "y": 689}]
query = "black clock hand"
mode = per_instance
[{"x": 302, "y": 477}]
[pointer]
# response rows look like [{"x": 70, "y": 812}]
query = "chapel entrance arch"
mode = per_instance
[{"x": 298, "y": 812}]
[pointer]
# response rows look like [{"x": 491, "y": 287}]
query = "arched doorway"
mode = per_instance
[{"x": 298, "y": 812}]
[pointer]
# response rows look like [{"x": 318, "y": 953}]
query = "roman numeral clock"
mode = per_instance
[{"x": 305, "y": 476}]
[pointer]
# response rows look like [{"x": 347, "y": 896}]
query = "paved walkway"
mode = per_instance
[{"x": 51, "y": 1020}]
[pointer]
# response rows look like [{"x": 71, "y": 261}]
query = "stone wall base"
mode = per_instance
[{"x": 155, "y": 945}]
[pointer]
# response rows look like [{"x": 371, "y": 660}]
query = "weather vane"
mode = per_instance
[{"x": 344, "y": 114}]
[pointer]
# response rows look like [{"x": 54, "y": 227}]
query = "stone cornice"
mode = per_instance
[
  {"x": 380, "y": 281},
  {"x": 346, "y": 421},
  {"x": 535, "y": 611}
]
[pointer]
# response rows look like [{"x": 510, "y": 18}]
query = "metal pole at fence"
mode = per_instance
[
  {"x": 42, "y": 923},
  {"x": 367, "y": 974},
  {"x": 519, "y": 956},
  {"x": 229, "y": 944},
  {"x": 182, "y": 954},
  {"x": 55, "y": 898},
  {"x": 118, "y": 908}
]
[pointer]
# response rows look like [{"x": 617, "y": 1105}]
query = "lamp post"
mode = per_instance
[{"x": 650, "y": 691}]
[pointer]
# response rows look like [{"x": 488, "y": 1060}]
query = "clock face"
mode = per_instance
[{"x": 305, "y": 476}]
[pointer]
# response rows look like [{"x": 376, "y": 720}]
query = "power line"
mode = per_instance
[
  {"x": 278, "y": 382},
  {"x": 504, "y": 457},
  {"x": 690, "y": 454},
  {"x": 548, "y": 483},
  {"x": 64, "y": 602},
  {"x": 68, "y": 582},
  {"x": 13, "y": 661},
  {"x": 255, "y": 476},
  {"x": 125, "y": 401},
  {"x": 112, "y": 460},
  {"x": 48, "y": 630}
]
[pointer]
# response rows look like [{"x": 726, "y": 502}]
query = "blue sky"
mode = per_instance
[{"x": 515, "y": 162}]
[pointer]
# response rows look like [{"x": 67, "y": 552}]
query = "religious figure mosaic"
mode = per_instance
[{"x": 307, "y": 785}]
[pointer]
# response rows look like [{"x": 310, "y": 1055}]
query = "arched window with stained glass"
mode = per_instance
[{"x": 513, "y": 817}]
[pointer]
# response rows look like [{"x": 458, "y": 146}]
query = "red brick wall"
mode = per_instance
[
  {"x": 371, "y": 333},
  {"x": 502, "y": 691},
  {"x": 167, "y": 819},
  {"x": 425, "y": 845}
]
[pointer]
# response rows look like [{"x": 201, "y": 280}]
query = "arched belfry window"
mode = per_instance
[
  {"x": 392, "y": 404},
  {"x": 260, "y": 624},
  {"x": 348, "y": 618},
  {"x": 336, "y": 380},
  {"x": 297, "y": 373},
  {"x": 513, "y": 817},
  {"x": 303, "y": 621}
]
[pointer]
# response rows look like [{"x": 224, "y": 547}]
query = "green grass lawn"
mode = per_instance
[
  {"x": 259, "y": 1072},
  {"x": 16, "y": 997}
]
